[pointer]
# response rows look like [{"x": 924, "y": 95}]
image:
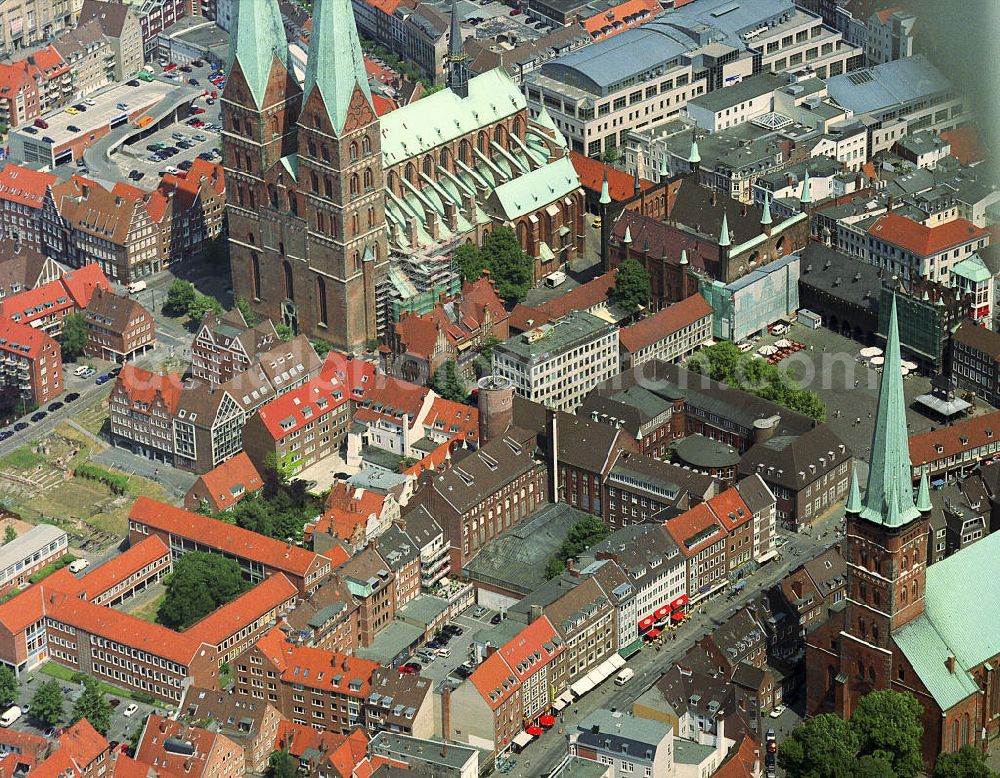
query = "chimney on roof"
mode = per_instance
[
  {"x": 535, "y": 613},
  {"x": 950, "y": 663},
  {"x": 85, "y": 190},
  {"x": 552, "y": 430}
]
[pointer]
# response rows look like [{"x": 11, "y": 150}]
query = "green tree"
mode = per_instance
[
  {"x": 321, "y": 347},
  {"x": 486, "y": 352},
  {"x": 553, "y": 567},
  {"x": 448, "y": 382},
  {"x": 510, "y": 268},
  {"x": 201, "y": 305},
  {"x": 887, "y": 725},
  {"x": 73, "y": 337},
  {"x": 824, "y": 746},
  {"x": 584, "y": 534},
  {"x": 180, "y": 297},
  {"x": 631, "y": 287},
  {"x": 47, "y": 703},
  {"x": 8, "y": 685},
  {"x": 967, "y": 762},
  {"x": 469, "y": 261},
  {"x": 9, "y": 534},
  {"x": 248, "y": 315},
  {"x": 93, "y": 706},
  {"x": 611, "y": 155},
  {"x": 199, "y": 584},
  {"x": 285, "y": 332},
  {"x": 282, "y": 764}
]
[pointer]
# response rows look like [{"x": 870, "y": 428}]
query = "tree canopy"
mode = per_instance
[
  {"x": 724, "y": 362},
  {"x": 73, "y": 337},
  {"x": 184, "y": 300},
  {"x": 248, "y": 315},
  {"x": 280, "y": 510},
  {"x": 8, "y": 684},
  {"x": 510, "y": 268},
  {"x": 631, "y": 287},
  {"x": 282, "y": 764},
  {"x": 584, "y": 534},
  {"x": 881, "y": 740},
  {"x": 199, "y": 583},
  {"x": 448, "y": 383},
  {"x": 47, "y": 703},
  {"x": 93, "y": 706},
  {"x": 967, "y": 762}
]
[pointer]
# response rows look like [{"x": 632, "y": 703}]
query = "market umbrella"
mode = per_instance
[
  {"x": 783, "y": 343},
  {"x": 904, "y": 370},
  {"x": 767, "y": 351},
  {"x": 871, "y": 351},
  {"x": 878, "y": 360},
  {"x": 909, "y": 365}
]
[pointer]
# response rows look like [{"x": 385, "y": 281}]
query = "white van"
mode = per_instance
[
  {"x": 443, "y": 652},
  {"x": 11, "y": 715},
  {"x": 555, "y": 279},
  {"x": 136, "y": 286},
  {"x": 78, "y": 565},
  {"x": 624, "y": 676}
]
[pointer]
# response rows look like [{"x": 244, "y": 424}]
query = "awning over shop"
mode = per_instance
[
  {"x": 677, "y": 616},
  {"x": 559, "y": 704},
  {"x": 582, "y": 686},
  {"x": 631, "y": 649},
  {"x": 653, "y": 633},
  {"x": 595, "y": 677},
  {"x": 617, "y": 661},
  {"x": 680, "y": 602},
  {"x": 661, "y": 613},
  {"x": 646, "y": 623},
  {"x": 521, "y": 739},
  {"x": 605, "y": 669}
]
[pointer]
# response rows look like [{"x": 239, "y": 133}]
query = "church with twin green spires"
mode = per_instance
[
  {"x": 322, "y": 192},
  {"x": 932, "y": 631}
]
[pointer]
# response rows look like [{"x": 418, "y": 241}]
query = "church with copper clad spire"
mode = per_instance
[{"x": 932, "y": 631}]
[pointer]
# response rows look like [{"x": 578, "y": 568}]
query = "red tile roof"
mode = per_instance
[
  {"x": 128, "y": 192},
  {"x": 389, "y": 396},
  {"x": 142, "y": 386},
  {"x": 977, "y": 431},
  {"x": 22, "y": 339},
  {"x": 47, "y": 62},
  {"x": 270, "y": 594},
  {"x": 454, "y": 419},
  {"x": 924, "y": 241},
  {"x": 697, "y": 527},
  {"x": 966, "y": 145},
  {"x": 24, "y": 186},
  {"x": 186, "y": 190},
  {"x": 82, "y": 282},
  {"x": 742, "y": 762},
  {"x": 437, "y": 458},
  {"x": 318, "y": 668},
  {"x": 83, "y": 742},
  {"x": 354, "y": 499},
  {"x": 664, "y": 322},
  {"x": 342, "y": 752},
  {"x": 65, "y": 295},
  {"x": 230, "y": 482},
  {"x": 581, "y": 298},
  {"x": 227, "y": 538},
  {"x": 105, "y": 576},
  {"x": 621, "y": 185},
  {"x": 519, "y": 658},
  {"x": 22, "y": 742},
  {"x": 730, "y": 509},
  {"x": 383, "y": 105},
  {"x": 169, "y": 763},
  {"x": 127, "y": 767},
  {"x": 356, "y": 375},
  {"x": 495, "y": 681},
  {"x": 621, "y": 17},
  {"x": 313, "y": 400}
]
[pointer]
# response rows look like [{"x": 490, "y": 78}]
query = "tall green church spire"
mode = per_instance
[
  {"x": 889, "y": 496},
  {"x": 258, "y": 37},
  {"x": 335, "y": 65}
]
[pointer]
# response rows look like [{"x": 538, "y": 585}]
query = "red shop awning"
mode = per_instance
[
  {"x": 678, "y": 616},
  {"x": 646, "y": 623},
  {"x": 547, "y": 721},
  {"x": 661, "y": 613},
  {"x": 652, "y": 634},
  {"x": 533, "y": 730},
  {"x": 680, "y": 602}
]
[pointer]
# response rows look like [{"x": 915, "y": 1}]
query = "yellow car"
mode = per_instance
[
  {"x": 72, "y": 111},
  {"x": 597, "y": 223}
]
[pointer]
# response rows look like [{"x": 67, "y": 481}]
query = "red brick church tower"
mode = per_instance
[
  {"x": 885, "y": 549},
  {"x": 304, "y": 175}
]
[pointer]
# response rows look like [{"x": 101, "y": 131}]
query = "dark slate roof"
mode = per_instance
[
  {"x": 421, "y": 525},
  {"x": 796, "y": 460},
  {"x": 584, "y": 443},
  {"x": 694, "y": 208},
  {"x": 840, "y": 276},
  {"x": 396, "y": 547},
  {"x": 978, "y": 338}
]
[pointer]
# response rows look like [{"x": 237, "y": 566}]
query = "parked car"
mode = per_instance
[
  {"x": 406, "y": 670},
  {"x": 39, "y": 416},
  {"x": 102, "y": 379},
  {"x": 31, "y": 130},
  {"x": 130, "y": 710},
  {"x": 90, "y": 101},
  {"x": 185, "y": 69},
  {"x": 78, "y": 565},
  {"x": 55, "y": 406},
  {"x": 497, "y": 618},
  {"x": 4, "y": 434},
  {"x": 89, "y": 372},
  {"x": 478, "y": 612},
  {"x": 113, "y": 372},
  {"x": 72, "y": 397},
  {"x": 80, "y": 370},
  {"x": 133, "y": 82},
  {"x": 193, "y": 81},
  {"x": 81, "y": 107},
  {"x": 21, "y": 426},
  {"x": 201, "y": 138},
  {"x": 73, "y": 128},
  {"x": 185, "y": 164},
  {"x": 776, "y": 711},
  {"x": 137, "y": 175}
]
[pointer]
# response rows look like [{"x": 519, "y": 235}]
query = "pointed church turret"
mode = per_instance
[
  {"x": 458, "y": 66},
  {"x": 853, "y": 493},
  {"x": 924, "y": 493},
  {"x": 724, "y": 240},
  {"x": 805, "y": 197},
  {"x": 889, "y": 496},
  {"x": 627, "y": 240},
  {"x": 684, "y": 257},
  {"x": 603, "y": 204},
  {"x": 335, "y": 65},
  {"x": 258, "y": 37},
  {"x": 765, "y": 218},
  {"x": 605, "y": 195},
  {"x": 694, "y": 157}
]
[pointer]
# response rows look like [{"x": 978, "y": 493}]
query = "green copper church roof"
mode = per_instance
[
  {"x": 724, "y": 239},
  {"x": 694, "y": 156},
  {"x": 806, "y": 195},
  {"x": 258, "y": 37},
  {"x": 335, "y": 65},
  {"x": 889, "y": 474},
  {"x": 924, "y": 493},
  {"x": 766, "y": 216},
  {"x": 853, "y": 493}
]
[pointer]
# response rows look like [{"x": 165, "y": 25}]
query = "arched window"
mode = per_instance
[
  {"x": 251, "y": 239},
  {"x": 954, "y": 735},
  {"x": 286, "y": 266},
  {"x": 311, "y": 145},
  {"x": 325, "y": 152},
  {"x": 314, "y": 180},
  {"x": 522, "y": 234},
  {"x": 443, "y": 157},
  {"x": 411, "y": 173},
  {"x": 249, "y": 162},
  {"x": 240, "y": 195},
  {"x": 355, "y": 227},
  {"x": 255, "y": 274},
  {"x": 354, "y": 150},
  {"x": 861, "y": 628},
  {"x": 871, "y": 673},
  {"x": 906, "y": 559},
  {"x": 371, "y": 217},
  {"x": 428, "y": 165},
  {"x": 965, "y": 728},
  {"x": 519, "y": 127},
  {"x": 321, "y": 299},
  {"x": 328, "y": 186},
  {"x": 914, "y": 591},
  {"x": 273, "y": 195},
  {"x": 465, "y": 151},
  {"x": 253, "y": 198},
  {"x": 357, "y": 260},
  {"x": 780, "y": 246},
  {"x": 376, "y": 251},
  {"x": 874, "y": 632},
  {"x": 274, "y": 126},
  {"x": 366, "y": 145},
  {"x": 902, "y": 594},
  {"x": 320, "y": 221},
  {"x": 293, "y": 203},
  {"x": 390, "y": 181},
  {"x": 281, "y": 249},
  {"x": 482, "y": 141},
  {"x": 369, "y": 181},
  {"x": 861, "y": 669},
  {"x": 498, "y": 133},
  {"x": 355, "y": 185}
]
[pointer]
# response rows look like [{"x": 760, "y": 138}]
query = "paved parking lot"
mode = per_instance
[
  {"x": 137, "y": 156},
  {"x": 122, "y": 726},
  {"x": 459, "y": 647}
]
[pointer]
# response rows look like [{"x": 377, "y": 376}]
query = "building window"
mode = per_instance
[
  {"x": 321, "y": 298},
  {"x": 289, "y": 289}
]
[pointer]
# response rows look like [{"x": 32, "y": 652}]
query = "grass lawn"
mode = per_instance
[
  {"x": 21, "y": 459},
  {"x": 147, "y": 611},
  {"x": 65, "y": 674}
]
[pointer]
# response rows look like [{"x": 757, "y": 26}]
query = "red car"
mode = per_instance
[
  {"x": 406, "y": 670},
  {"x": 169, "y": 67},
  {"x": 197, "y": 110}
]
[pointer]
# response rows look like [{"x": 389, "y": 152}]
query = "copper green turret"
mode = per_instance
[
  {"x": 924, "y": 493},
  {"x": 335, "y": 66},
  {"x": 889, "y": 497},
  {"x": 724, "y": 239},
  {"x": 258, "y": 36},
  {"x": 853, "y": 493}
]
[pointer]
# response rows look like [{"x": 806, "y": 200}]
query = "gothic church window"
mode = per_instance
[
  {"x": 325, "y": 152},
  {"x": 311, "y": 145},
  {"x": 369, "y": 181},
  {"x": 286, "y": 266},
  {"x": 354, "y": 150},
  {"x": 366, "y": 145},
  {"x": 321, "y": 299}
]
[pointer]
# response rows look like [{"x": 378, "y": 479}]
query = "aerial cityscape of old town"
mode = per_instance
[{"x": 531, "y": 388}]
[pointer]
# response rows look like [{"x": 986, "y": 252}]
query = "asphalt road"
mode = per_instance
[{"x": 649, "y": 664}]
